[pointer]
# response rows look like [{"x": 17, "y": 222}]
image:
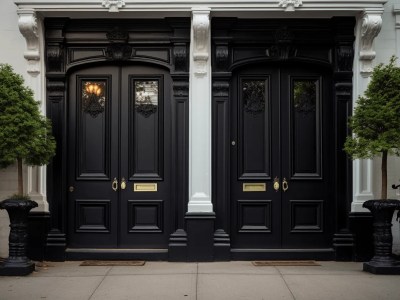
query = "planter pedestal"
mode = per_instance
[
  {"x": 17, "y": 264},
  {"x": 383, "y": 261}
]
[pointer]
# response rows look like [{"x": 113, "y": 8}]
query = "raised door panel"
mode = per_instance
[
  {"x": 307, "y": 143},
  {"x": 93, "y": 157}
]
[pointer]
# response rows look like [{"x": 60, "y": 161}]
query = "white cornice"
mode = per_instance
[{"x": 213, "y": 5}]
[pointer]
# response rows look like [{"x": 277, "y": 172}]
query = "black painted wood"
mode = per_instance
[
  {"x": 74, "y": 45},
  {"x": 319, "y": 49}
]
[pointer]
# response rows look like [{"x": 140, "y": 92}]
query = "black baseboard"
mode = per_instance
[
  {"x": 56, "y": 243},
  {"x": 116, "y": 254},
  {"x": 177, "y": 247},
  {"x": 38, "y": 226},
  {"x": 283, "y": 254},
  {"x": 343, "y": 243},
  {"x": 360, "y": 225},
  {"x": 200, "y": 236},
  {"x": 222, "y": 246}
]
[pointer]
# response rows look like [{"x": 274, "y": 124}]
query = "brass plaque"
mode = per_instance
[
  {"x": 145, "y": 187},
  {"x": 254, "y": 187}
]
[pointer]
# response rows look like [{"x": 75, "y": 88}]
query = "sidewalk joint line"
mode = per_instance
[
  {"x": 197, "y": 278},
  {"x": 104, "y": 277},
  {"x": 294, "y": 298}
]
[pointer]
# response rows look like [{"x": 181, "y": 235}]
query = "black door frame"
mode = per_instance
[
  {"x": 239, "y": 42},
  {"x": 71, "y": 44}
]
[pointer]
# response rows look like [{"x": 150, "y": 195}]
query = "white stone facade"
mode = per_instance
[{"x": 377, "y": 38}]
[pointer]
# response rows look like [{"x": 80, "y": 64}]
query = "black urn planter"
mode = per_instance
[
  {"x": 17, "y": 263},
  {"x": 383, "y": 261}
]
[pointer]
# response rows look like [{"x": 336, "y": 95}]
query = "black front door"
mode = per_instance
[
  {"x": 281, "y": 157},
  {"x": 119, "y": 190}
]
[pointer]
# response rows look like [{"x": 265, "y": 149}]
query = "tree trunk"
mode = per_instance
[
  {"x": 20, "y": 179},
  {"x": 384, "y": 175}
]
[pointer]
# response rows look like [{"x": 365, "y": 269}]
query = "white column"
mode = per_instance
[
  {"x": 31, "y": 28},
  {"x": 200, "y": 113},
  {"x": 368, "y": 27},
  {"x": 396, "y": 10}
]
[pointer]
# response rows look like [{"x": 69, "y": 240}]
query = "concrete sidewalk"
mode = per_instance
[{"x": 201, "y": 281}]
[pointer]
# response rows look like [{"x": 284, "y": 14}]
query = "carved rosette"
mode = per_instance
[
  {"x": 28, "y": 27},
  {"x": 290, "y": 5},
  {"x": 370, "y": 28},
  {"x": 201, "y": 34}
]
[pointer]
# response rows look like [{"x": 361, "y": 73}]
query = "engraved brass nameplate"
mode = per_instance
[
  {"x": 145, "y": 187},
  {"x": 254, "y": 187}
]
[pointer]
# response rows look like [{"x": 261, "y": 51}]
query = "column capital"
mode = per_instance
[
  {"x": 28, "y": 26},
  {"x": 370, "y": 27}
]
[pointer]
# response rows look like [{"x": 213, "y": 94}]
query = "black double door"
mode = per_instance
[
  {"x": 281, "y": 157},
  {"x": 119, "y": 171}
]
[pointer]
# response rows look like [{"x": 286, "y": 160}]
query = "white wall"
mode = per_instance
[
  {"x": 385, "y": 47},
  {"x": 11, "y": 52}
]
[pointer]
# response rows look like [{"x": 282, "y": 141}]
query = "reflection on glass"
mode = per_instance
[
  {"x": 93, "y": 97},
  {"x": 146, "y": 97},
  {"x": 253, "y": 96},
  {"x": 305, "y": 95}
]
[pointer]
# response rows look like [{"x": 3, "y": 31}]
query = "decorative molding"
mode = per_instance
[
  {"x": 180, "y": 58},
  {"x": 28, "y": 26},
  {"x": 222, "y": 57},
  {"x": 220, "y": 88},
  {"x": 113, "y": 5},
  {"x": 201, "y": 36},
  {"x": 290, "y": 5},
  {"x": 118, "y": 50},
  {"x": 181, "y": 88},
  {"x": 370, "y": 28},
  {"x": 54, "y": 55},
  {"x": 345, "y": 56},
  {"x": 283, "y": 48}
]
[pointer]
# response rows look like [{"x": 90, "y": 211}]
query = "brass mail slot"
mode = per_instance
[
  {"x": 254, "y": 187},
  {"x": 145, "y": 187}
]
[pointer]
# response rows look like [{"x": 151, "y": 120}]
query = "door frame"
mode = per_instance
[
  {"x": 71, "y": 44},
  {"x": 240, "y": 42}
]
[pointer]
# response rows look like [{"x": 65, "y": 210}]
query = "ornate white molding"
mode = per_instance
[
  {"x": 28, "y": 26},
  {"x": 113, "y": 5},
  {"x": 290, "y": 5},
  {"x": 201, "y": 37},
  {"x": 370, "y": 28}
]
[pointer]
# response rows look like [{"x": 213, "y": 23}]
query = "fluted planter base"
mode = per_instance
[
  {"x": 17, "y": 264},
  {"x": 383, "y": 261}
]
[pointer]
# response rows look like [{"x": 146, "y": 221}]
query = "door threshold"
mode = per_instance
[{"x": 112, "y": 254}]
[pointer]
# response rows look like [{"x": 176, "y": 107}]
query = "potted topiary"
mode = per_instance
[
  {"x": 376, "y": 132},
  {"x": 25, "y": 137}
]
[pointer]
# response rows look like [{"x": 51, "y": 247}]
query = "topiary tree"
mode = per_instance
[
  {"x": 376, "y": 119},
  {"x": 25, "y": 135}
]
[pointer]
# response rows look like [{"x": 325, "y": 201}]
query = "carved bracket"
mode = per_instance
[
  {"x": 181, "y": 88},
  {"x": 113, "y": 5},
  {"x": 27, "y": 24},
  {"x": 370, "y": 28},
  {"x": 222, "y": 57},
  {"x": 118, "y": 49},
  {"x": 180, "y": 58},
  {"x": 201, "y": 37},
  {"x": 290, "y": 5}
]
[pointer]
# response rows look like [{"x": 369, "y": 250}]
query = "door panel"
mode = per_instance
[
  {"x": 116, "y": 141},
  {"x": 93, "y": 143},
  {"x": 281, "y": 120},
  {"x": 255, "y": 159},
  {"x": 145, "y": 107}
]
